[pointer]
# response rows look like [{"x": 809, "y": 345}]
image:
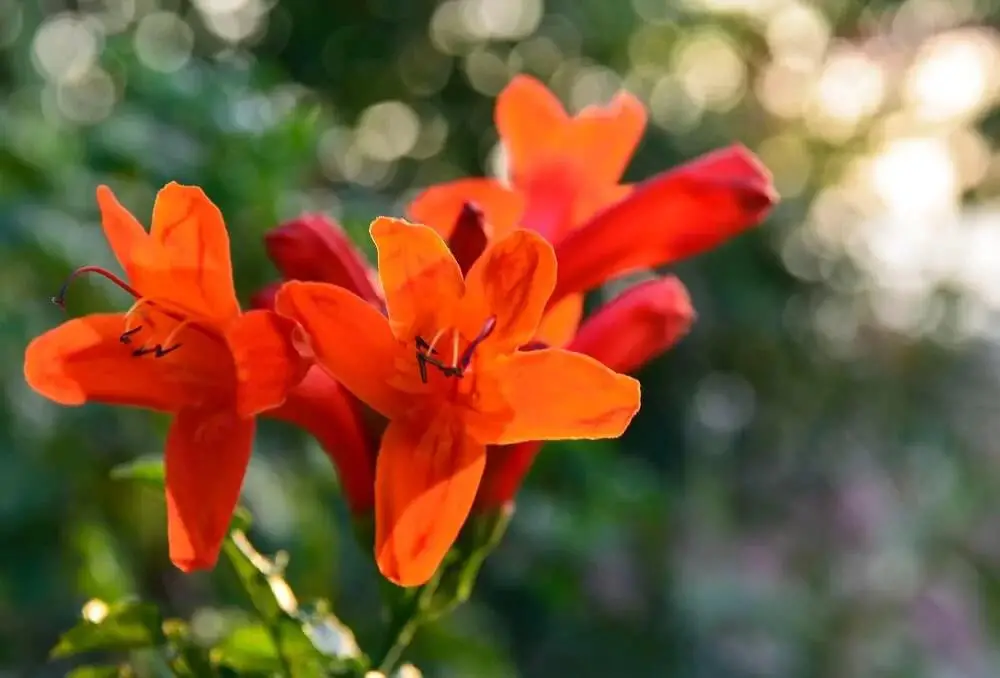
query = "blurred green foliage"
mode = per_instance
[{"x": 810, "y": 487}]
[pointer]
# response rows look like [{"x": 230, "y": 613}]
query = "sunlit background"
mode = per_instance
[{"x": 813, "y": 485}]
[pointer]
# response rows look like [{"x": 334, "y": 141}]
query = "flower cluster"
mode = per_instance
[{"x": 432, "y": 383}]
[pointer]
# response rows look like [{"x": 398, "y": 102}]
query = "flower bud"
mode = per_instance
[{"x": 315, "y": 248}]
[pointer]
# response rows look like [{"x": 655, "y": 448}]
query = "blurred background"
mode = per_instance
[{"x": 810, "y": 488}]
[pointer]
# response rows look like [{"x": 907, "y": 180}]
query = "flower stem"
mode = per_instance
[{"x": 405, "y": 619}]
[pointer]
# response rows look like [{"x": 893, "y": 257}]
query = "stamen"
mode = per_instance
[
  {"x": 459, "y": 363},
  {"x": 488, "y": 327},
  {"x": 158, "y": 350},
  {"x": 126, "y": 336},
  {"x": 60, "y": 299}
]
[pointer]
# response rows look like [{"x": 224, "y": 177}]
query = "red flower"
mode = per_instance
[
  {"x": 444, "y": 367},
  {"x": 185, "y": 348}
]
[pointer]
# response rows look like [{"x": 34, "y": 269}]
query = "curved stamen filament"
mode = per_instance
[{"x": 60, "y": 299}]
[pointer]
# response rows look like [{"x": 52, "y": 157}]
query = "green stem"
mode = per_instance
[
  {"x": 405, "y": 620},
  {"x": 274, "y": 633}
]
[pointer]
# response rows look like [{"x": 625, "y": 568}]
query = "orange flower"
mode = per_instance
[
  {"x": 445, "y": 370},
  {"x": 185, "y": 348},
  {"x": 563, "y": 182}
]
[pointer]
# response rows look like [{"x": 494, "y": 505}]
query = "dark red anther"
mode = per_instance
[
  {"x": 126, "y": 336},
  {"x": 158, "y": 351}
]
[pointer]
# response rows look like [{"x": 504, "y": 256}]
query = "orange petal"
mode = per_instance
[
  {"x": 125, "y": 235},
  {"x": 636, "y": 326},
  {"x": 512, "y": 281},
  {"x": 425, "y": 483},
  {"x": 552, "y": 191},
  {"x": 268, "y": 355},
  {"x": 84, "y": 360},
  {"x": 528, "y": 116},
  {"x": 559, "y": 324},
  {"x": 603, "y": 138},
  {"x": 206, "y": 459},
  {"x": 439, "y": 206},
  {"x": 560, "y": 395},
  {"x": 333, "y": 416},
  {"x": 667, "y": 218},
  {"x": 420, "y": 277},
  {"x": 189, "y": 265},
  {"x": 351, "y": 341}
]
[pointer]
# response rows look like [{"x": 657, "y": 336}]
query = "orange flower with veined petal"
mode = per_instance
[
  {"x": 445, "y": 369},
  {"x": 185, "y": 348},
  {"x": 564, "y": 182}
]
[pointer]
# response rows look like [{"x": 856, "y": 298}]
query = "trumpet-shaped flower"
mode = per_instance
[
  {"x": 445, "y": 369},
  {"x": 185, "y": 348}
]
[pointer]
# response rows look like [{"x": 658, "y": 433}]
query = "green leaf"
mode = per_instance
[
  {"x": 188, "y": 658},
  {"x": 127, "y": 626},
  {"x": 248, "y": 648},
  {"x": 147, "y": 470},
  {"x": 100, "y": 672},
  {"x": 252, "y": 649}
]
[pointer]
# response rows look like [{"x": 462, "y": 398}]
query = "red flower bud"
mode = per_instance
[
  {"x": 624, "y": 334},
  {"x": 671, "y": 216},
  {"x": 638, "y": 325},
  {"x": 468, "y": 240},
  {"x": 315, "y": 248}
]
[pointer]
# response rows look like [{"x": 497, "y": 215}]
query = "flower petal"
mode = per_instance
[
  {"x": 636, "y": 326},
  {"x": 556, "y": 394},
  {"x": 84, "y": 360},
  {"x": 528, "y": 116},
  {"x": 189, "y": 264},
  {"x": 420, "y": 277},
  {"x": 670, "y": 217},
  {"x": 551, "y": 192},
  {"x": 603, "y": 138},
  {"x": 351, "y": 341},
  {"x": 440, "y": 206},
  {"x": 425, "y": 483},
  {"x": 206, "y": 458},
  {"x": 512, "y": 281},
  {"x": 315, "y": 248},
  {"x": 268, "y": 352},
  {"x": 325, "y": 409},
  {"x": 560, "y": 323},
  {"x": 125, "y": 235}
]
